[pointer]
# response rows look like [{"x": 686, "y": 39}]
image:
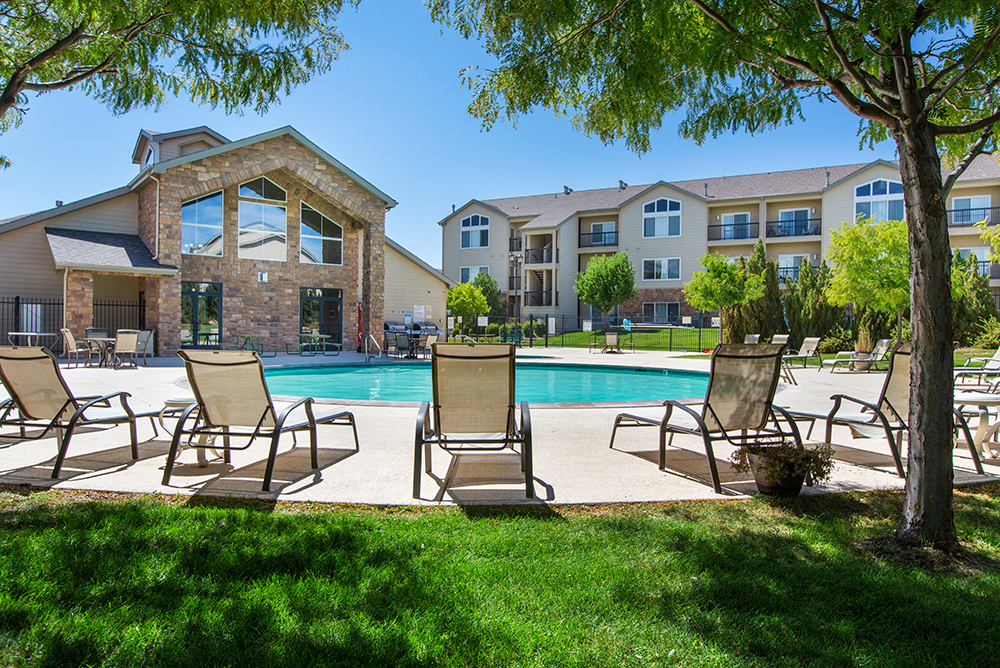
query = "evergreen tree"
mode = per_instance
[
  {"x": 806, "y": 308},
  {"x": 764, "y": 316},
  {"x": 972, "y": 301}
]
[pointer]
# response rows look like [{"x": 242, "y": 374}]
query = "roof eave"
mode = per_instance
[{"x": 151, "y": 271}]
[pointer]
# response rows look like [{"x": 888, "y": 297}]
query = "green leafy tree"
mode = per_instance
[
  {"x": 723, "y": 286},
  {"x": 136, "y": 53},
  {"x": 972, "y": 301},
  {"x": 491, "y": 291},
  {"x": 467, "y": 301},
  {"x": 808, "y": 311},
  {"x": 764, "y": 316},
  {"x": 606, "y": 282},
  {"x": 920, "y": 73}
]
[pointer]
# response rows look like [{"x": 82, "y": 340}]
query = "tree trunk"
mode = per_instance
[{"x": 928, "y": 517}]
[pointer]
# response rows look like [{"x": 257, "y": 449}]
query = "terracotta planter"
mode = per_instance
[{"x": 786, "y": 485}]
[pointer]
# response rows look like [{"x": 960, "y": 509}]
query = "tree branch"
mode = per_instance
[
  {"x": 948, "y": 87},
  {"x": 974, "y": 152},
  {"x": 982, "y": 124},
  {"x": 14, "y": 85}
]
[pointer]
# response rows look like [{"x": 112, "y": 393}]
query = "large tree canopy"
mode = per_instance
[
  {"x": 923, "y": 73},
  {"x": 135, "y": 53}
]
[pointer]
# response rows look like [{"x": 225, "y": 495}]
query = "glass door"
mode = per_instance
[
  {"x": 201, "y": 315},
  {"x": 322, "y": 313}
]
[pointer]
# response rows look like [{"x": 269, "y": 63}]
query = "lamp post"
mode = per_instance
[{"x": 515, "y": 273}]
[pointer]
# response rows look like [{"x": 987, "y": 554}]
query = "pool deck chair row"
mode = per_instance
[
  {"x": 232, "y": 401},
  {"x": 473, "y": 408},
  {"x": 737, "y": 409},
  {"x": 40, "y": 399}
]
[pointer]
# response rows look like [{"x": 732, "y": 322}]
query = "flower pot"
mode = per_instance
[{"x": 788, "y": 484}]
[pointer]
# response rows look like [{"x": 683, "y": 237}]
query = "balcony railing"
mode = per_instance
[
  {"x": 794, "y": 228},
  {"x": 989, "y": 269},
  {"x": 792, "y": 273},
  {"x": 515, "y": 244},
  {"x": 737, "y": 231},
  {"x": 598, "y": 239},
  {"x": 513, "y": 283},
  {"x": 969, "y": 217},
  {"x": 538, "y": 256},
  {"x": 538, "y": 298}
]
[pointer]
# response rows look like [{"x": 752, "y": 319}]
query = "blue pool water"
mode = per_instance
[{"x": 536, "y": 383}]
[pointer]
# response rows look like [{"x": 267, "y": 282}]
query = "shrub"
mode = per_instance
[
  {"x": 837, "y": 339},
  {"x": 989, "y": 335},
  {"x": 493, "y": 329}
]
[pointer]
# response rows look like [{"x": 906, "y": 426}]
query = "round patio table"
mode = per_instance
[{"x": 985, "y": 430}]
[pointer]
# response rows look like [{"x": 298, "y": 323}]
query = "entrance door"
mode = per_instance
[
  {"x": 201, "y": 315},
  {"x": 322, "y": 312}
]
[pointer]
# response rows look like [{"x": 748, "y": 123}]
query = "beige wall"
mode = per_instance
[
  {"x": 174, "y": 148},
  {"x": 838, "y": 202},
  {"x": 28, "y": 268},
  {"x": 407, "y": 283},
  {"x": 495, "y": 256}
]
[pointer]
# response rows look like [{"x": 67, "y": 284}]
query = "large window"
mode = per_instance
[
  {"x": 262, "y": 227},
  {"x": 794, "y": 222},
  {"x": 262, "y": 188},
  {"x": 468, "y": 274},
  {"x": 321, "y": 239},
  {"x": 663, "y": 269},
  {"x": 201, "y": 314},
  {"x": 661, "y": 312},
  {"x": 201, "y": 226},
  {"x": 476, "y": 231},
  {"x": 971, "y": 210},
  {"x": 736, "y": 225},
  {"x": 661, "y": 218},
  {"x": 880, "y": 199}
]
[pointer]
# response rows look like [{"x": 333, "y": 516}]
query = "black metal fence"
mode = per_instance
[
  {"x": 27, "y": 314},
  {"x": 114, "y": 315}
]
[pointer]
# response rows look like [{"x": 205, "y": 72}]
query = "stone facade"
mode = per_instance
[
  {"x": 645, "y": 295},
  {"x": 79, "y": 309}
]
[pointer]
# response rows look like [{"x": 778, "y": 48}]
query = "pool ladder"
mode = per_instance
[{"x": 368, "y": 355}]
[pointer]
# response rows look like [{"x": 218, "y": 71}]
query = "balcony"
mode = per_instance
[
  {"x": 538, "y": 298},
  {"x": 792, "y": 273},
  {"x": 969, "y": 217},
  {"x": 812, "y": 227},
  {"x": 513, "y": 283},
  {"x": 598, "y": 239},
  {"x": 538, "y": 256},
  {"x": 988, "y": 269},
  {"x": 731, "y": 232},
  {"x": 515, "y": 244}
]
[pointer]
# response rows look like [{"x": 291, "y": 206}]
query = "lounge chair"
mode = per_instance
[
  {"x": 737, "y": 407},
  {"x": 473, "y": 407},
  {"x": 809, "y": 349},
  {"x": 780, "y": 338},
  {"x": 853, "y": 360},
  {"x": 886, "y": 416},
  {"x": 232, "y": 400},
  {"x": 751, "y": 339},
  {"x": 983, "y": 373},
  {"x": 611, "y": 343},
  {"x": 76, "y": 348},
  {"x": 40, "y": 399},
  {"x": 126, "y": 346},
  {"x": 426, "y": 344}
]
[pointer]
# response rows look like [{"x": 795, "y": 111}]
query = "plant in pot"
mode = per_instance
[
  {"x": 862, "y": 346},
  {"x": 780, "y": 469}
]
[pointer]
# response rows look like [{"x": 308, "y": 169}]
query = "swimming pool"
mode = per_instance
[{"x": 537, "y": 383}]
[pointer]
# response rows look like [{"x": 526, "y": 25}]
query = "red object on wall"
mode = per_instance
[{"x": 360, "y": 340}]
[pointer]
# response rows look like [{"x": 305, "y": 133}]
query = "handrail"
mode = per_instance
[{"x": 367, "y": 355}]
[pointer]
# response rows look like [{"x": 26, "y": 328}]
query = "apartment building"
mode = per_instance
[{"x": 534, "y": 246}]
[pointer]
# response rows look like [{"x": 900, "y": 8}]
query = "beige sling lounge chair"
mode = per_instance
[
  {"x": 473, "y": 408},
  {"x": 853, "y": 360},
  {"x": 40, "y": 399},
  {"x": 737, "y": 407},
  {"x": 809, "y": 349},
  {"x": 984, "y": 373},
  {"x": 232, "y": 400}
]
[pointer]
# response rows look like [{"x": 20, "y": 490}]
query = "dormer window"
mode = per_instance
[
  {"x": 262, "y": 188},
  {"x": 149, "y": 156}
]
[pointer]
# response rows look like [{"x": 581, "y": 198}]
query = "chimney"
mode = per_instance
[
  {"x": 706, "y": 190},
  {"x": 58, "y": 203},
  {"x": 622, "y": 185},
  {"x": 567, "y": 190},
  {"x": 453, "y": 208}
]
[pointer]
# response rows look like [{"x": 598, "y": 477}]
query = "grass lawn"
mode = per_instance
[{"x": 102, "y": 580}]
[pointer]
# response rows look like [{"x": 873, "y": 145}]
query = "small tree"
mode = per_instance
[
  {"x": 871, "y": 266},
  {"x": 722, "y": 286},
  {"x": 491, "y": 291},
  {"x": 806, "y": 308},
  {"x": 608, "y": 280},
  {"x": 467, "y": 301}
]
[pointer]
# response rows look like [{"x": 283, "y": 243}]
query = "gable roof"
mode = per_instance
[
  {"x": 420, "y": 263},
  {"x": 162, "y": 167},
  {"x": 16, "y": 222},
  {"x": 146, "y": 135},
  {"x": 102, "y": 251},
  {"x": 789, "y": 182}
]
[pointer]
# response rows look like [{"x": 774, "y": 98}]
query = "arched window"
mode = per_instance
[
  {"x": 661, "y": 218},
  {"x": 880, "y": 199}
]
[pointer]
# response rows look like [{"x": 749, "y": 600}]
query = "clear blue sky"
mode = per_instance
[{"x": 393, "y": 109}]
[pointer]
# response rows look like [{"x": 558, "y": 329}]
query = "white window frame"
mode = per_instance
[
  {"x": 664, "y": 268},
  {"x": 873, "y": 200},
  {"x": 666, "y": 311},
  {"x": 240, "y": 229},
  {"x": 968, "y": 217},
  {"x": 220, "y": 227},
  {"x": 665, "y": 215},
  {"x": 463, "y": 228},
  {"x": 729, "y": 225},
  {"x": 472, "y": 276},
  {"x": 312, "y": 235},
  {"x": 262, "y": 198}
]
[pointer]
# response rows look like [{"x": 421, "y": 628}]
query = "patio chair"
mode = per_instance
[
  {"x": 426, "y": 344},
  {"x": 40, "y": 399},
  {"x": 95, "y": 332},
  {"x": 611, "y": 343},
  {"x": 809, "y": 349},
  {"x": 885, "y": 417},
  {"x": 232, "y": 400},
  {"x": 737, "y": 407},
  {"x": 403, "y": 344},
  {"x": 780, "y": 338},
  {"x": 854, "y": 360},
  {"x": 145, "y": 344},
  {"x": 990, "y": 368},
  {"x": 473, "y": 408},
  {"x": 76, "y": 348},
  {"x": 751, "y": 339},
  {"x": 126, "y": 346}
]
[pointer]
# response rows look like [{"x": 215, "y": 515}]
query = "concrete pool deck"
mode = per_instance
[{"x": 572, "y": 461}]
